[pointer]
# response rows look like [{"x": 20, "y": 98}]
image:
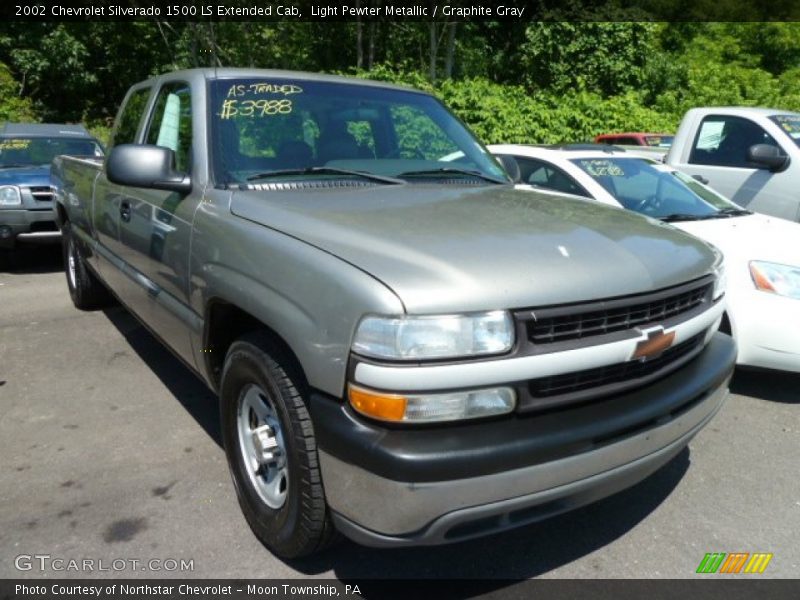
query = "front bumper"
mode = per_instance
[
  {"x": 396, "y": 487},
  {"x": 27, "y": 225}
]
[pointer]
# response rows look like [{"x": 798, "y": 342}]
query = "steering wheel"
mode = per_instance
[{"x": 650, "y": 202}]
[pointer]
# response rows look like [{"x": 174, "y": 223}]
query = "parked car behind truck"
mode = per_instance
[
  {"x": 405, "y": 348},
  {"x": 750, "y": 155},
  {"x": 26, "y": 197},
  {"x": 648, "y": 140},
  {"x": 763, "y": 256}
]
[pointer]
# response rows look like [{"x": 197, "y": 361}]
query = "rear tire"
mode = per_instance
[
  {"x": 6, "y": 259},
  {"x": 271, "y": 449},
  {"x": 85, "y": 289}
]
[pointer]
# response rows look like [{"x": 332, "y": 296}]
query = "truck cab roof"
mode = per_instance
[
  {"x": 234, "y": 72},
  {"x": 43, "y": 130},
  {"x": 740, "y": 111}
]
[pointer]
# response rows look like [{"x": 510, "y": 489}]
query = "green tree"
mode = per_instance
[{"x": 13, "y": 106}]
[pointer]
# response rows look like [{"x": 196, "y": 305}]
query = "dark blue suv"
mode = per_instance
[{"x": 26, "y": 197}]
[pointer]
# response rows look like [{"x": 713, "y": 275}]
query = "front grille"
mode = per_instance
[
  {"x": 632, "y": 371},
  {"x": 42, "y": 194},
  {"x": 603, "y": 318}
]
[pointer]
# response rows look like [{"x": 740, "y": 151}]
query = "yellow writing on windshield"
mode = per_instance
[
  {"x": 603, "y": 168},
  {"x": 255, "y": 108},
  {"x": 14, "y": 144},
  {"x": 285, "y": 89}
]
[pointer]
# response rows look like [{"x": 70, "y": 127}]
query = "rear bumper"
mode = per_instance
[
  {"x": 402, "y": 488},
  {"x": 28, "y": 226}
]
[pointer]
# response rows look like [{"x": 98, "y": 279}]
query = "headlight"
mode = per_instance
[
  {"x": 431, "y": 408},
  {"x": 720, "y": 280},
  {"x": 10, "y": 196},
  {"x": 783, "y": 280},
  {"x": 430, "y": 337}
]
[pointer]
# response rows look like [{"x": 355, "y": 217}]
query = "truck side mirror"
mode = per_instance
[
  {"x": 510, "y": 164},
  {"x": 767, "y": 156},
  {"x": 146, "y": 166}
]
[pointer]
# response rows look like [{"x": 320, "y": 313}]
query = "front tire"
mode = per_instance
[
  {"x": 271, "y": 449},
  {"x": 85, "y": 289}
]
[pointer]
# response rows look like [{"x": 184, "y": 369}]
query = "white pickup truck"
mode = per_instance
[{"x": 750, "y": 155}]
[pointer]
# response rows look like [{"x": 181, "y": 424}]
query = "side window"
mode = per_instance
[
  {"x": 724, "y": 141},
  {"x": 543, "y": 174},
  {"x": 131, "y": 115},
  {"x": 171, "y": 125}
]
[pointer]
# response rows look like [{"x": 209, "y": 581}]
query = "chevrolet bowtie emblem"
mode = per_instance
[{"x": 655, "y": 341}]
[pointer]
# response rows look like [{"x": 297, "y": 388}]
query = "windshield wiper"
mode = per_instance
[
  {"x": 685, "y": 217},
  {"x": 452, "y": 171},
  {"x": 734, "y": 212},
  {"x": 324, "y": 170},
  {"x": 15, "y": 165}
]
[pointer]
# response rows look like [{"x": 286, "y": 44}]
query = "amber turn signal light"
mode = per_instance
[{"x": 386, "y": 407}]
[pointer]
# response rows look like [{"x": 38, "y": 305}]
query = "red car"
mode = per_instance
[{"x": 660, "y": 140}]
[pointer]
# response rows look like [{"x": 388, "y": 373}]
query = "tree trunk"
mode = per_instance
[
  {"x": 433, "y": 49},
  {"x": 371, "y": 44},
  {"x": 359, "y": 38},
  {"x": 451, "y": 49}
]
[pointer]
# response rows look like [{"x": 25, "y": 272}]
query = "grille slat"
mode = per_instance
[
  {"x": 42, "y": 193},
  {"x": 548, "y": 330},
  {"x": 620, "y": 372}
]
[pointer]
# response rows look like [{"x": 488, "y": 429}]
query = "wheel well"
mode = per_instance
[
  {"x": 225, "y": 323},
  {"x": 61, "y": 215}
]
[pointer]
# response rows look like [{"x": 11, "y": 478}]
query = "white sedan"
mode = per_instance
[{"x": 762, "y": 253}]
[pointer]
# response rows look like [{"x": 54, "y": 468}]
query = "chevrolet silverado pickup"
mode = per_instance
[
  {"x": 750, "y": 155},
  {"x": 406, "y": 349}
]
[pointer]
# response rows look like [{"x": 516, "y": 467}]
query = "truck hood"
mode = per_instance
[
  {"x": 455, "y": 248},
  {"x": 35, "y": 175}
]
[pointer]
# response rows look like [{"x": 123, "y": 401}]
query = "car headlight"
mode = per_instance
[
  {"x": 432, "y": 408},
  {"x": 10, "y": 196},
  {"x": 783, "y": 280},
  {"x": 720, "y": 280},
  {"x": 432, "y": 337}
]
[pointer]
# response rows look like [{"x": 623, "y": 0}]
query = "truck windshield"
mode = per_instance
[
  {"x": 268, "y": 129},
  {"x": 789, "y": 124},
  {"x": 656, "y": 191},
  {"x": 31, "y": 151}
]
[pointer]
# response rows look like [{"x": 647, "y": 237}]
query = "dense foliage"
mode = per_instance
[{"x": 511, "y": 82}]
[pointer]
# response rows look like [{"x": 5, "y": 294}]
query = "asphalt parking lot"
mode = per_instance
[{"x": 110, "y": 450}]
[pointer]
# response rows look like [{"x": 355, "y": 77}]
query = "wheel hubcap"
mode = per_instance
[
  {"x": 262, "y": 446},
  {"x": 71, "y": 264}
]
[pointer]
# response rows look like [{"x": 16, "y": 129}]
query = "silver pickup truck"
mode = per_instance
[{"x": 405, "y": 348}]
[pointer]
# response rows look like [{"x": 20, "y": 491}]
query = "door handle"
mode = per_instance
[
  {"x": 701, "y": 179},
  {"x": 125, "y": 211}
]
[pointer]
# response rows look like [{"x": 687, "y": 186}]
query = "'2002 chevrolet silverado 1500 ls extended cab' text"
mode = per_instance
[{"x": 406, "y": 349}]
